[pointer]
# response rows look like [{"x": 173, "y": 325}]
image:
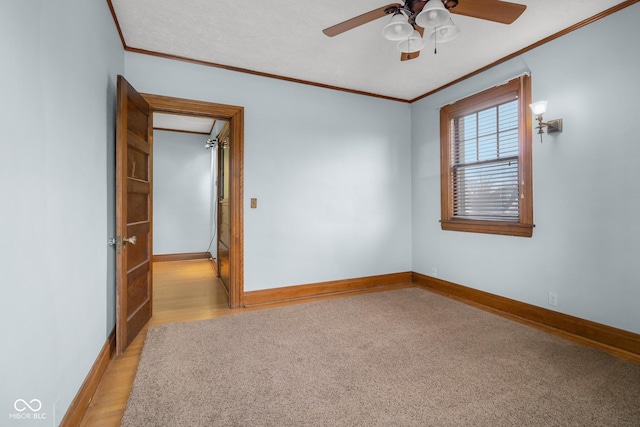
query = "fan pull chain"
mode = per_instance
[{"x": 435, "y": 42}]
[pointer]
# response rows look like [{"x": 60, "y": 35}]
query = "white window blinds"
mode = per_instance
[{"x": 484, "y": 163}]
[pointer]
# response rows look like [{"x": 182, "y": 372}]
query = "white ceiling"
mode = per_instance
[
  {"x": 284, "y": 38},
  {"x": 183, "y": 123}
]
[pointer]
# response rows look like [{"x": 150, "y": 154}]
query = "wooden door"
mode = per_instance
[
  {"x": 224, "y": 220},
  {"x": 133, "y": 214}
]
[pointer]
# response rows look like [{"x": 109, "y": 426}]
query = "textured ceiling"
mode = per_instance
[{"x": 285, "y": 38}]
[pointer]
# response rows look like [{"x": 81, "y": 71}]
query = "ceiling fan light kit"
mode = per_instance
[
  {"x": 413, "y": 43},
  {"x": 445, "y": 33},
  {"x": 434, "y": 14},
  {"x": 409, "y": 20},
  {"x": 436, "y": 17},
  {"x": 398, "y": 28}
]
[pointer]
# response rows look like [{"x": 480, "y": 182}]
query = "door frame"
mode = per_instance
[{"x": 235, "y": 116}]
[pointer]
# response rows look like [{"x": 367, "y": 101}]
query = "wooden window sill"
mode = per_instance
[{"x": 488, "y": 227}]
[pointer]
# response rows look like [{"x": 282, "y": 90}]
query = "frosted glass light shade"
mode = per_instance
[
  {"x": 539, "y": 107},
  {"x": 413, "y": 43},
  {"x": 434, "y": 14},
  {"x": 445, "y": 33},
  {"x": 397, "y": 29}
]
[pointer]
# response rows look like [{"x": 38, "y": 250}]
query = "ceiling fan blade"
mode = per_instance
[
  {"x": 413, "y": 55},
  {"x": 407, "y": 56},
  {"x": 361, "y": 19},
  {"x": 491, "y": 10}
]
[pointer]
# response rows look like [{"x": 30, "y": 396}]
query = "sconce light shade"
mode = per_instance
[
  {"x": 434, "y": 14},
  {"x": 539, "y": 107},
  {"x": 398, "y": 28},
  {"x": 553, "y": 126},
  {"x": 413, "y": 43},
  {"x": 445, "y": 33}
]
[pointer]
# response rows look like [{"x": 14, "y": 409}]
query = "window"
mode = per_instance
[{"x": 485, "y": 161}]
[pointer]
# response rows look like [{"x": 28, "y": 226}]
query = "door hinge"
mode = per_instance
[{"x": 117, "y": 242}]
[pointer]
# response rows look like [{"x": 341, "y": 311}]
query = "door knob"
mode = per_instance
[{"x": 131, "y": 240}]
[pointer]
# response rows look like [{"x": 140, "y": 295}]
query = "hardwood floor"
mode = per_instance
[{"x": 182, "y": 291}]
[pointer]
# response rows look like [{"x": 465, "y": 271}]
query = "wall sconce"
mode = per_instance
[{"x": 553, "y": 126}]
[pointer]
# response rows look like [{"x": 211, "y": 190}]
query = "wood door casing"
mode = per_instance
[
  {"x": 134, "y": 151},
  {"x": 235, "y": 116}
]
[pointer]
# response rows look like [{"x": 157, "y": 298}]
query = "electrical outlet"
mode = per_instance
[
  {"x": 553, "y": 299},
  {"x": 434, "y": 272},
  {"x": 254, "y": 203}
]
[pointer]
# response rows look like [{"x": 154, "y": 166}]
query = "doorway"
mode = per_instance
[
  {"x": 184, "y": 191},
  {"x": 235, "y": 117}
]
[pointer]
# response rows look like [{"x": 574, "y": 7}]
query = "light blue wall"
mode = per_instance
[
  {"x": 347, "y": 186},
  {"x": 330, "y": 170},
  {"x": 59, "y": 65},
  {"x": 585, "y": 245},
  {"x": 182, "y": 193}
]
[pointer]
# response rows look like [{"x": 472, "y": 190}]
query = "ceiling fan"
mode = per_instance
[{"x": 410, "y": 19}]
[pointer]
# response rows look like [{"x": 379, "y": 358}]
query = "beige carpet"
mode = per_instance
[{"x": 397, "y": 358}]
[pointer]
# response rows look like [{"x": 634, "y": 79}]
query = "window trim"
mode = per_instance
[{"x": 521, "y": 88}]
